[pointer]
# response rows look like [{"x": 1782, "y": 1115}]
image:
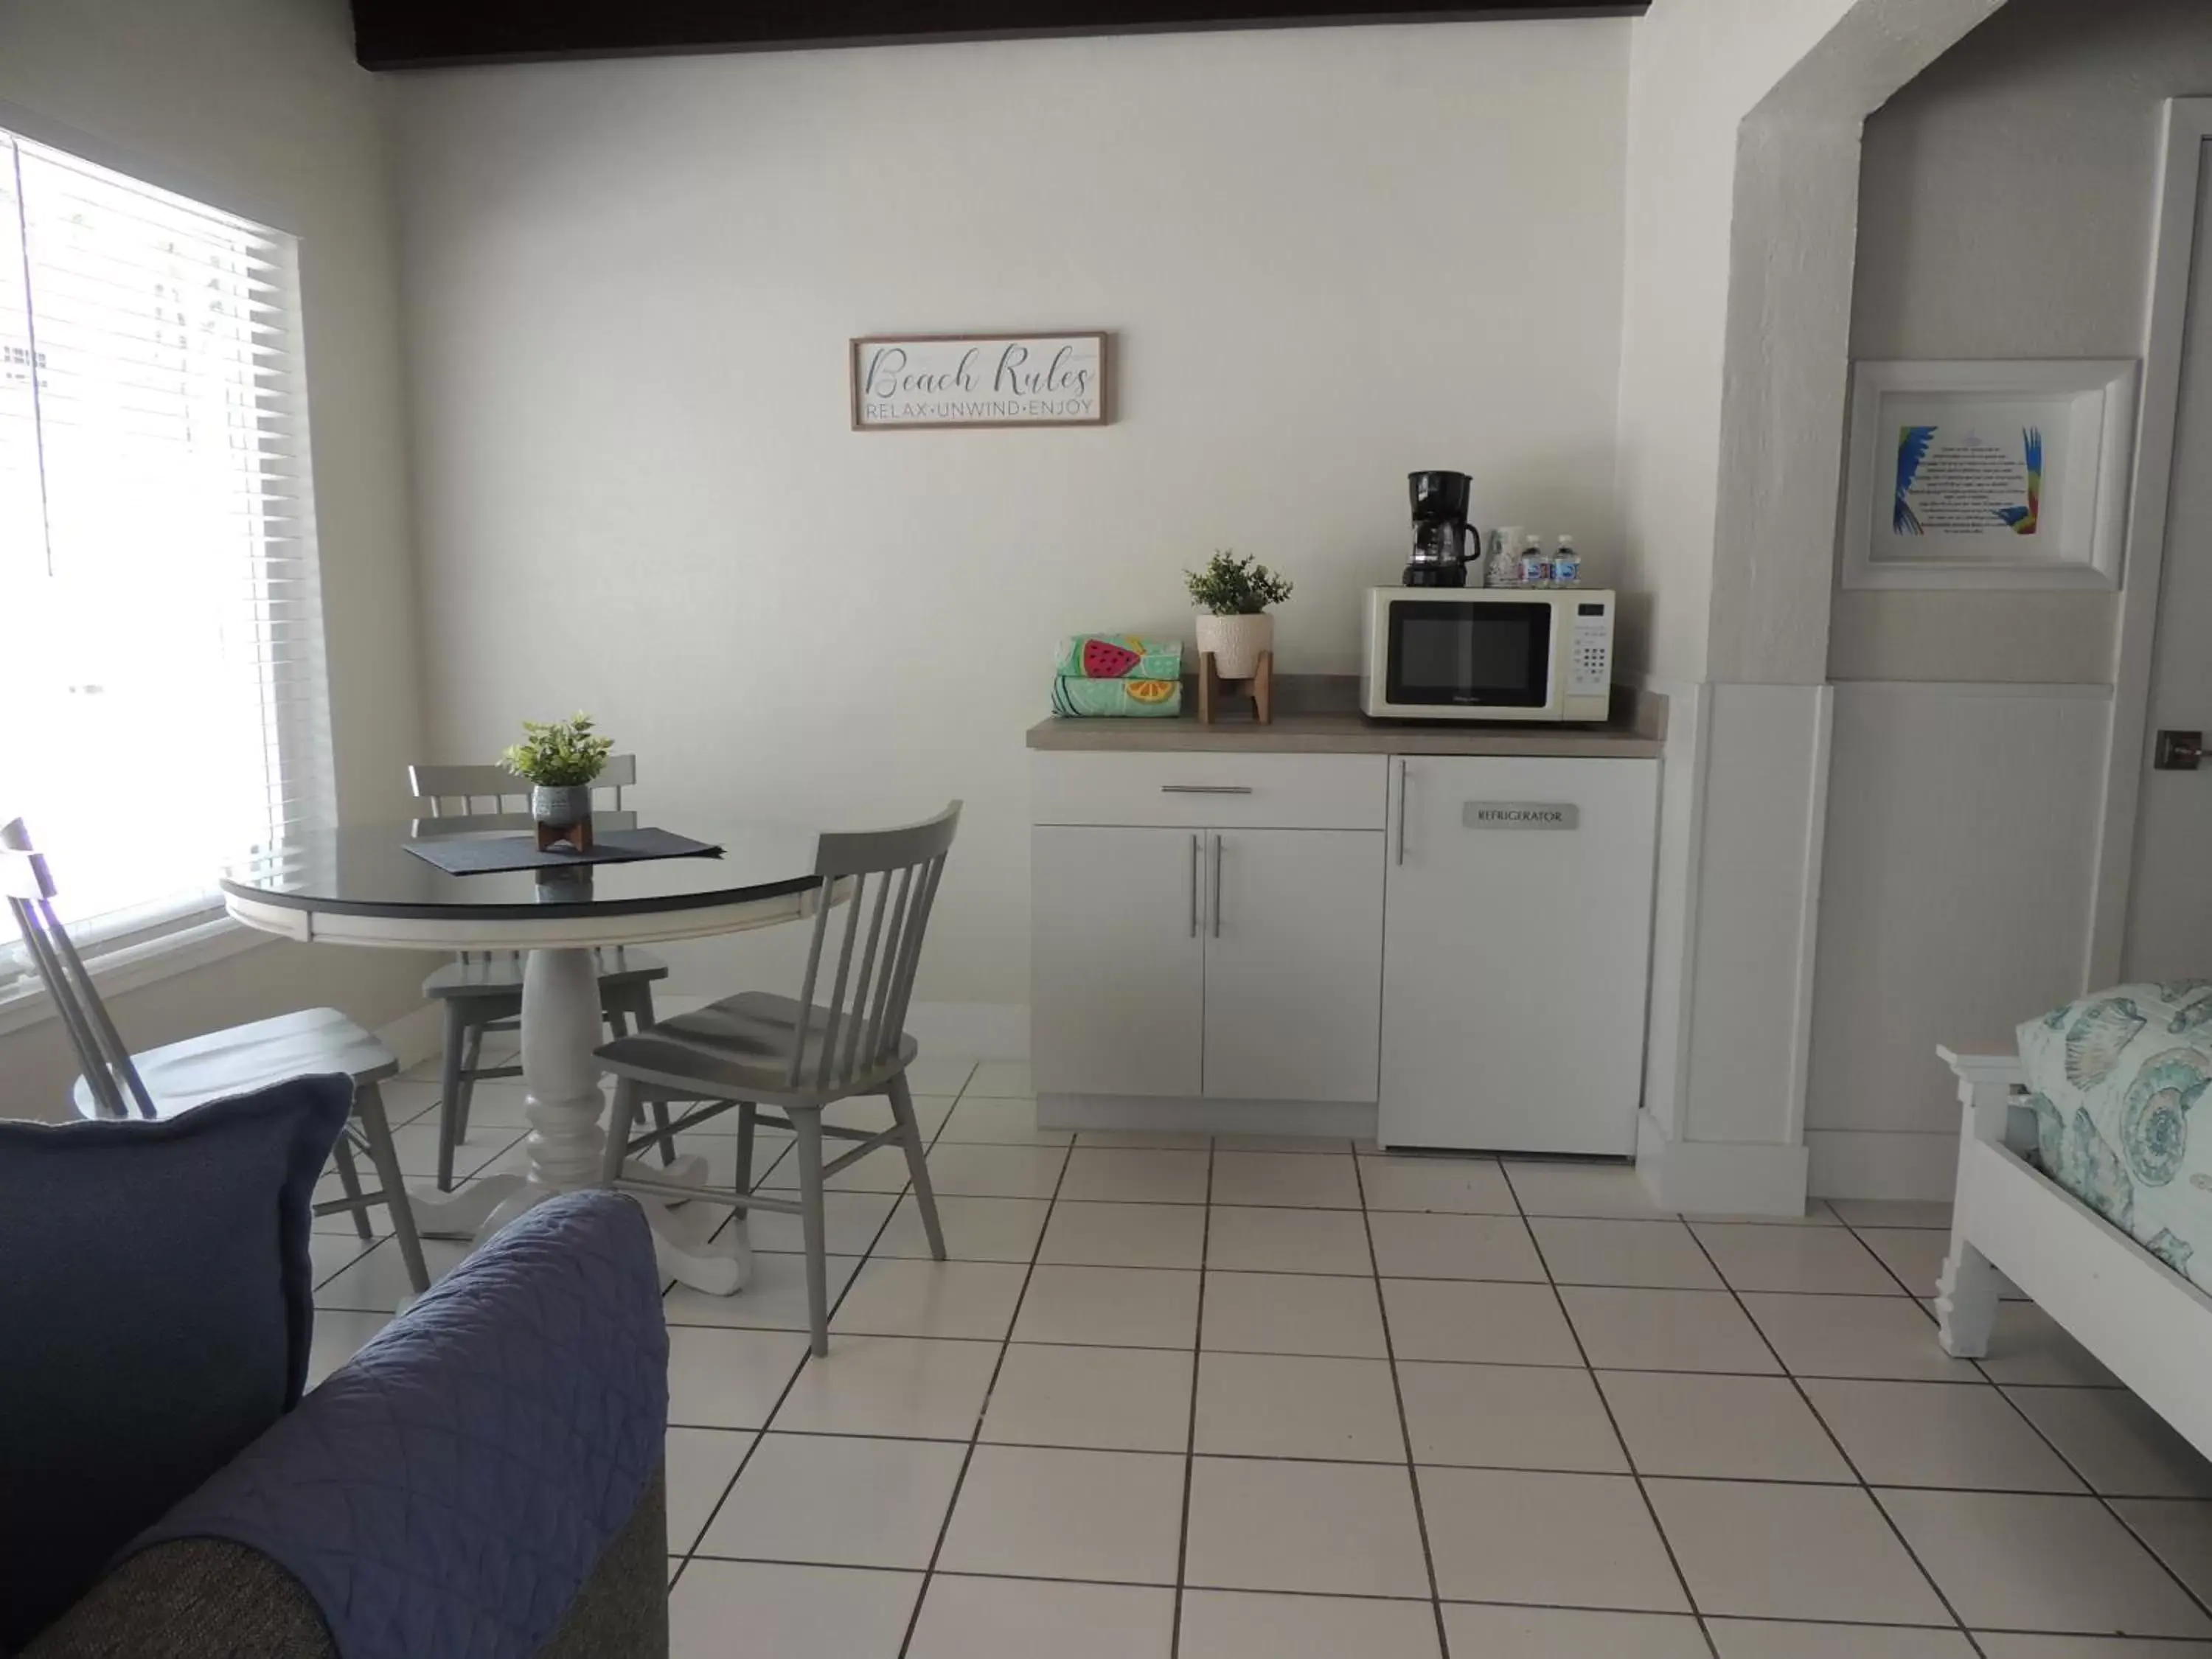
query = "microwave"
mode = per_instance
[{"x": 1487, "y": 653}]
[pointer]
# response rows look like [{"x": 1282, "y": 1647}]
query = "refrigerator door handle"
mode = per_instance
[{"x": 1403, "y": 769}]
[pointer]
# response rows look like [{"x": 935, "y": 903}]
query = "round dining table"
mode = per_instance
[{"x": 363, "y": 885}]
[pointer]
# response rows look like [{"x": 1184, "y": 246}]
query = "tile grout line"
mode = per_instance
[
  {"x": 1354, "y": 1463},
  {"x": 1834, "y": 1439},
  {"x": 869, "y": 1254},
  {"x": 1628, "y": 1455},
  {"x": 370, "y": 1246},
  {"x": 1190, "y": 1434},
  {"x": 1406, "y": 1601},
  {"x": 1364, "y": 1463},
  {"x": 782, "y": 1395},
  {"x": 2088, "y": 1486},
  {"x": 1397, "y": 1397},
  {"x": 983, "y": 1407},
  {"x": 791, "y": 1382}
]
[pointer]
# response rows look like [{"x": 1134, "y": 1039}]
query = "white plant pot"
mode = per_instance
[{"x": 1237, "y": 642}]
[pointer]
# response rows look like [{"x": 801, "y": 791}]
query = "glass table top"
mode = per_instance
[{"x": 367, "y": 870}]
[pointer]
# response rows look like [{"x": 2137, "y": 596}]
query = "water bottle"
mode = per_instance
[
  {"x": 1535, "y": 568},
  {"x": 1566, "y": 564}
]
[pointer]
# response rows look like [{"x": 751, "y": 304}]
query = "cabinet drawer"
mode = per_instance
[{"x": 1208, "y": 790}]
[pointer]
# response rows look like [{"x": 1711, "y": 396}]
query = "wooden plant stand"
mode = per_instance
[
  {"x": 1261, "y": 688},
  {"x": 576, "y": 836}
]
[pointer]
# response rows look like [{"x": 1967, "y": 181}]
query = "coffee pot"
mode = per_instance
[{"x": 1441, "y": 532}]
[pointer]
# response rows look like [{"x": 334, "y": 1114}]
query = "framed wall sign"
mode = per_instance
[
  {"x": 1988, "y": 474},
  {"x": 904, "y": 380}
]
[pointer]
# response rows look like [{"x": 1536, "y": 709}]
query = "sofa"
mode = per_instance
[{"x": 484, "y": 1478}]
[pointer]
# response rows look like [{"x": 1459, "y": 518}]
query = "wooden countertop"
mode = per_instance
[{"x": 1327, "y": 725}]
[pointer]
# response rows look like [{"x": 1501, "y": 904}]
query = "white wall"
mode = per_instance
[
  {"x": 1954, "y": 904},
  {"x": 1743, "y": 132},
  {"x": 2005, "y": 211},
  {"x": 1328, "y": 257},
  {"x": 257, "y": 105},
  {"x": 2007, "y": 198},
  {"x": 1699, "y": 67}
]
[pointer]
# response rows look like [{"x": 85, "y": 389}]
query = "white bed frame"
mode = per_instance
[{"x": 2149, "y": 1325}]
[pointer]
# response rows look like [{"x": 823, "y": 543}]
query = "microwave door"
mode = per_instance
[{"x": 1448, "y": 654}]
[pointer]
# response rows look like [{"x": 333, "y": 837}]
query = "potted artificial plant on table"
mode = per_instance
[
  {"x": 560, "y": 759},
  {"x": 1233, "y": 595}
]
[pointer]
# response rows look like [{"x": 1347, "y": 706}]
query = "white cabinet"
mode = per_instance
[
  {"x": 1231, "y": 964},
  {"x": 1445, "y": 951},
  {"x": 1116, "y": 960},
  {"x": 1516, "y": 953},
  {"x": 1293, "y": 955}
]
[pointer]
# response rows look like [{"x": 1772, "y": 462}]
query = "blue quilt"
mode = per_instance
[
  {"x": 450, "y": 1490},
  {"x": 2118, "y": 1082}
]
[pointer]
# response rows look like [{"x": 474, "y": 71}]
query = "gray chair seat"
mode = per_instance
[
  {"x": 179, "y": 1076},
  {"x": 169, "y": 1081},
  {"x": 500, "y": 973},
  {"x": 741, "y": 1049}
]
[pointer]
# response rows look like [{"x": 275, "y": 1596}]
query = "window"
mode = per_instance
[{"x": 165, "y": 693}]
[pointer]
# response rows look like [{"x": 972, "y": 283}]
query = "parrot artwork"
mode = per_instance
[
  {"x": 2023, "y": 519},
  {"x": 1913, "y": 443}
]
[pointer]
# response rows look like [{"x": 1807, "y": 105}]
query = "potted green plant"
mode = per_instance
[
  {"x": 1233, "y": 595},
  {"x": 560, "y": 759}
]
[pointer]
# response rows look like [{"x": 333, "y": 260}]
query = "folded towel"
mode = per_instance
[
  {"x": 1119, "y": 657},
  {"x": 1153, "y": 698}
]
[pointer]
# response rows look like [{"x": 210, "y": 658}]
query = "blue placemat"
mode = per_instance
[{"x": 478, "y": 855}]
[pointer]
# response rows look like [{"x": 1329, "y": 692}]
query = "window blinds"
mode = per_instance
[{"x": 167, "y": 699}]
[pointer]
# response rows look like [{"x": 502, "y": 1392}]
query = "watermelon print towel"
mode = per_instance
[
  {"x": 1119, "y": 657},
  {"x": 1084, "y": 697}
]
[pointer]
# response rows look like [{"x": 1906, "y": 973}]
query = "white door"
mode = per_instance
[
  {"x": 1516, "y": 951},
  {"x": 1293, "y": 963},
  {"x": 2170, "y": 898},
  {"x": 1116, "y": 963}
]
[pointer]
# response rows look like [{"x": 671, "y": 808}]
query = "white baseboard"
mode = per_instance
[
  {"x": 1883, "y": 1163},
  {"x": 1720, "y": 1177},
  {"x": 1342, "y": 1120},
  {"x": 415, "y": 1036},
  {"x": 971, "y": 1030}
]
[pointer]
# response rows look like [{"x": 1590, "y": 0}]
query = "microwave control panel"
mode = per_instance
[{"x": 1589, "y": 668}]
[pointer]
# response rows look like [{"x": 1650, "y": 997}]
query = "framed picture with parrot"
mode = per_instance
[{"x": 1989, "y": 474}]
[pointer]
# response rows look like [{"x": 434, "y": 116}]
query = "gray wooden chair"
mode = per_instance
[
  {"x": 758, "y": 1048},
  {"x": 170, "y": 1080},
  {"x": 481, "y": 991}
]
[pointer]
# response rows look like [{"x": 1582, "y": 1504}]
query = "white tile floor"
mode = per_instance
[{"x": 1236, "y": 1401}]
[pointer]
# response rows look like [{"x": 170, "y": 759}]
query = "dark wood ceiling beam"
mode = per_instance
[{"x": 436, "y": 33}]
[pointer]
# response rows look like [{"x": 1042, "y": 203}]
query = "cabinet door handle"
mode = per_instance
[
  {"x": 1193, "y": 886},
  {"x": 1217, "y": 887},
  {"x": 1403, "y": 770},
  {"x": 1206, "y": 789}
]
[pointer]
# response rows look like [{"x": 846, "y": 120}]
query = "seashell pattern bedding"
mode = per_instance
[{"x": 2118, "y": 1082}]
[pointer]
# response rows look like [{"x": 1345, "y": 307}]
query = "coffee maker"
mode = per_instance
[{"x": 1440, "y": 530}]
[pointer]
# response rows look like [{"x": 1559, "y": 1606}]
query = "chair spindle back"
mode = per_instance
[
  {"x": 893, "y": 875},
  {"x": 464, "y": 800},
  {"x": 29, "y": 886}
]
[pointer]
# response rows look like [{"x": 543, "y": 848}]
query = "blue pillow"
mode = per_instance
[{"x": 157, "y": 1302}]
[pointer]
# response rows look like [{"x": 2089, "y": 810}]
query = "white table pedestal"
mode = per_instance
[{"x": 561, "y": 1024}]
